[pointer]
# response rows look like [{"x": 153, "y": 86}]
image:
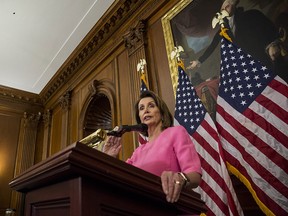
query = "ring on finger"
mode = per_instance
[{"x": 177, "y": 182}]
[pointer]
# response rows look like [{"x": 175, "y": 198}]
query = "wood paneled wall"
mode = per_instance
[
  {"x": 129, "y": 31},
  {"x": 34, "y": 127},
  {"x": 20, "y": 114}
]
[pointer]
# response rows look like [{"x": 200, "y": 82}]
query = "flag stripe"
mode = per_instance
[
  {"x": 265, "y": 125},
  {"x": 273, "y": 108},
  {"x": 207, "y": 145},
  {"x": 210, "y": 203},
  {"x": 264, "y": 201},
  {"x": 276, "y": 105},
  {"x": 252, "y": 175},
  {"x": 212, "y": 192},
  {"x": 257, "y": 153},
  {"x": 278, "y": 97},
  {"x": 254, "y": 169},
  {"x": 279, "y": 85},
  {"x": 263, "y": 139},
  {"x": 272, "y": 112},
  {"x": 208, "y": 148},
  {"x": 267, "y": 137},
  {"x": 206, "y": 162}
]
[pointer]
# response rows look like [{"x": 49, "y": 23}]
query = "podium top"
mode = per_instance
[{"x": 79, "y": 160}]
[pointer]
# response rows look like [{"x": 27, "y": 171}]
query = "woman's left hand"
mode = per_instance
[
  {"x": 172, "y": 185},
  {"x": 112, "y": 146}
]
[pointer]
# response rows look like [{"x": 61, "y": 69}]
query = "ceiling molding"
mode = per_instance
[
  {"x": 105, "y": 27},
  {"x": 19, "y": 96}
]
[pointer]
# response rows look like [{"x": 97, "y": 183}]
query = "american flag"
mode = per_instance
[
  {"x": 216, "y": 188},
  {"x": 141, "y": 138},
  {"x": 252, "y": 120},
  {"x": 143, "y": 86}
]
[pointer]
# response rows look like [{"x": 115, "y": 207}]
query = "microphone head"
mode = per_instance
[
  {"x": 119, "y": 131},
  {"x": 144, "y": 128}
]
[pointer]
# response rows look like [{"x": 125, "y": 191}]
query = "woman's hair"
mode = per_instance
[{"x": 166, "y": 116}]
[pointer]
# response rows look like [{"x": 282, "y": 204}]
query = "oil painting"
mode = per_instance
[{"x": 259, "y": 27}]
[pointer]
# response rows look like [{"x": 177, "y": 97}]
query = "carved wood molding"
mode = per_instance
[
  {"x": 101, "y": 32},
  {"x": 31, "y": 119},
  {"x": 65, "y": 100},
  {"x": 94, "y": 87},
  {"x": 14, "y": 95},
  {"x": 47, "y": 116},
  {"x": 135, "y": 38}
]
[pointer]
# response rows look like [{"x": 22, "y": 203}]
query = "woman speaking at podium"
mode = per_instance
[{"x": 169, "y": 152}]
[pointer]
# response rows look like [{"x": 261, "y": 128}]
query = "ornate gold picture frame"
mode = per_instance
[{"x": 170, "y": 41}]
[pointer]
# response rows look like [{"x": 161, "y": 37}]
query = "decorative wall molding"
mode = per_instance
[
  {"x": 19, "y": 96},
  {"x": 47, "y": 116},
  {"x": 101, "y": 32},
  {"x": 135, "y": 38},
  {"x": 93, "y": 87},
  {"x": 31, "y": 119},
  {"x": 65, "y": 100}
]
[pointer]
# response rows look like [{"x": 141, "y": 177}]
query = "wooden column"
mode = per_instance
[
  {"x": 135, "y": 41},
  {"x": 47, "y": 131},
  {"x": 25, "y": 153},
  {"x": 65, "y": 103}
]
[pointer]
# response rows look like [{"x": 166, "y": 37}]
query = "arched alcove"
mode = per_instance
[
  {"x": 98, "y": 110},
  {"x": 98, "y": 115}
]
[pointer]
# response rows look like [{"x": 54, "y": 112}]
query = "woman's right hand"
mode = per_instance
[
  {"x": 112, "y": 146},
  {"x": 194, "y": 64}
]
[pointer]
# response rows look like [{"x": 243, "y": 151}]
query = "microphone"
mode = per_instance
[{"x": 119, "y": 131}]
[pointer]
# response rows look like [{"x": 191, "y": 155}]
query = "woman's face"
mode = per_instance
[{"x": 149, "y": 113}]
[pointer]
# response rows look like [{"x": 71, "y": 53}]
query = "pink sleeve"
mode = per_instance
[{"x": 187, "y": 155}]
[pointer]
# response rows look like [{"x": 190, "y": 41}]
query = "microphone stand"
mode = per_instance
[{"x": 95, "y": 139}]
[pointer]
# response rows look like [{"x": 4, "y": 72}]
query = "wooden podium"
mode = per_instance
[{"x": 81, "y": 181}]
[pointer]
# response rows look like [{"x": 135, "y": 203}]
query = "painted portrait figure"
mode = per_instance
[{"x": 256, "y": 26}]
